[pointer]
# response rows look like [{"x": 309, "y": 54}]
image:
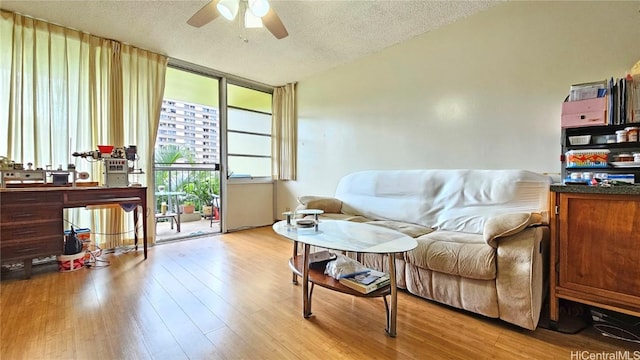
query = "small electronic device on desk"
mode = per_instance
[
  {"x": 115, "y": 160},
  {"x": 13, "y": 173}
]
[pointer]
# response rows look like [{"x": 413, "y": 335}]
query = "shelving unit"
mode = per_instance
[{"x": 598, "y": 132}]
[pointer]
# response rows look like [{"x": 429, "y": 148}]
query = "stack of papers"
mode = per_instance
[{"x": 588, "y": 91}]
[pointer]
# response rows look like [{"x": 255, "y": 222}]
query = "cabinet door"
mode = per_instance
[{"x": 600, "y": 245}]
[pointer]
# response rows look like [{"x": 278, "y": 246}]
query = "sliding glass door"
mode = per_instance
[
  {"x": 187, "y": 157},
  {"x": 250, "y": 191},
  {"x": 213, "y": 151}
]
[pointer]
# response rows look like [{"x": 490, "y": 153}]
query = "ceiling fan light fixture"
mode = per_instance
[
  {"x": 251, "y": 21},
  {"x": 259, "y": 8},
  {"x": 228, "y": 8}
]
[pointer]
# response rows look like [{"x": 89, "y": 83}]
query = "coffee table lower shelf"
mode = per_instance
[{"x": 317, "y": 277}]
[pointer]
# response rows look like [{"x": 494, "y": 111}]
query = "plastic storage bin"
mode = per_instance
[
  {"x": 588, "y": 158},
  {"x": 73, "y": 262}
]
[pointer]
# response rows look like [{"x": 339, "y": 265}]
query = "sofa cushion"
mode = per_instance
[
  {"x": 508, "y": 224},
  {"x": 409, "y": 229},
  {"x": 474, "y": 295},
  {"x": 455, "y": 253},
  {"x": 324, "y": 203}
]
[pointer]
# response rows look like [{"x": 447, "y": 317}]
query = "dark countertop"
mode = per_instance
[{"x": 585, "y": 189}]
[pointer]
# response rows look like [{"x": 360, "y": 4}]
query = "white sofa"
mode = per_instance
[{"x": 482, "y": 234}]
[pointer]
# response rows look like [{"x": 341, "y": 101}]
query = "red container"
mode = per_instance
[{"x": 105, "y": 149}]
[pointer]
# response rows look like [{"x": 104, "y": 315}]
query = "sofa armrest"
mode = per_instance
[
  {"x": 521, "y": 277},
  {"x": 508, "y": 224},
  {"x": 324, "y": 203}
]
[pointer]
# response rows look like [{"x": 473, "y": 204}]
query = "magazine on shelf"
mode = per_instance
[{"x": 367, "y": 282}]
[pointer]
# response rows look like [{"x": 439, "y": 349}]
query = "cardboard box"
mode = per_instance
[{"x": 584, "y": 113}]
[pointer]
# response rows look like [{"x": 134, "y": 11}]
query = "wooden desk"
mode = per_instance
[{"x": 31, "y": 219}]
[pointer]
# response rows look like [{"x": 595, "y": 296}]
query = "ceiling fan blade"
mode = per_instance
[
  {"x": 204, "y": 15},
  {"x": 273, "y": 23}
]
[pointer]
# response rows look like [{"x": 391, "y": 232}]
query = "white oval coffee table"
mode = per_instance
[{"x": 345, "y": 236}]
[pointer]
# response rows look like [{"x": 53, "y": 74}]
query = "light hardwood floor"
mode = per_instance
[{"x": 231, "y": 297}]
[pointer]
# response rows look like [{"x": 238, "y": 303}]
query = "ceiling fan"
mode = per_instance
[{"x": 257, "y": 13}]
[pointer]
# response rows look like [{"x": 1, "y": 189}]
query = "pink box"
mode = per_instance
[{"x": 584, "y": 112}]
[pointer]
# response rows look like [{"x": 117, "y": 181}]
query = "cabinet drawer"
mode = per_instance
[
  {"x": 22, "y": 213},
  {"x": 32, "y": 230},
  {"x": 25, "y": 249},
  {"x": 29, "y": 197}
]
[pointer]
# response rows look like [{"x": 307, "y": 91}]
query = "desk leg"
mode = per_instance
[
  {"x": 393, "y": 307},
  {"x": 138, "y": 213},
  {"x": 135, "y": 227},
  {"x": 27, "y": 268},
  {"x": 306, "y": 296},
  {"x": 143, "y": 213}
]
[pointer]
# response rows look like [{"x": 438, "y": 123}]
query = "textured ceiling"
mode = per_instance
[{"x": 322, "y": 34}]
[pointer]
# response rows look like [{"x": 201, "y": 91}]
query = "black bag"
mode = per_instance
[{"x": 72, "y": 245}]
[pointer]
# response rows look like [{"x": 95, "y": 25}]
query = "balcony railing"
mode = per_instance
[{"x": 196, "y": 183}]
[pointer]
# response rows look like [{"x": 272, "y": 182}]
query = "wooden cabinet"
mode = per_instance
[
  {"x": 30, "y": 226},
  {"x": 595, "y": 240}
]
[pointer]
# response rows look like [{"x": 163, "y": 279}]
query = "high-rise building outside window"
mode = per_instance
[
  {"x": 190, "y": 129},
  {"x": 190, "y": 108}
]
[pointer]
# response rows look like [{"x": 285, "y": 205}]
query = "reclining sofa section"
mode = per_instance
[{"x": 482, "y": 234}]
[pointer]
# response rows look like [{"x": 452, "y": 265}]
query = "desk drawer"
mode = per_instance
[
  {"x": 29, "y": 197},
  {"x": 25, "y": 249},
  {"x": 31, "y": 230},
  {"x": 21, "y": 213},
  {"x": 103, "y": 194}
]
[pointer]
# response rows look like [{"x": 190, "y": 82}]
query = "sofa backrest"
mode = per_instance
[{"x": 455, "y": 200}]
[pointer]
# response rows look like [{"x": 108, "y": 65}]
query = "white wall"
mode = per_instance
[
  {"x": 247, "y": 205},
  {"x": 485, "y": 92}
]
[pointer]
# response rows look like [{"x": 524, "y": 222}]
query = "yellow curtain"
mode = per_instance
[
  {"x": 142, "y": 93},
  {"x": 64, "y": 91},
  {"x": 284, "y": 131}
]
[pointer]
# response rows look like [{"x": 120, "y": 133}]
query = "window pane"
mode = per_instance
[
  {"x": 189, "y": 87},
  {"x": 245, "y": 98},
  {"x": 240, "y": 166},
  {"x": 248, "y": 144},
  {"x": 243, "y": 120},
  {"x": 189, "y": 119},
  {"x": 249, "y": 113}
]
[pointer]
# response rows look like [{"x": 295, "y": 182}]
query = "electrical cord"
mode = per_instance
[{"x": 92, "y": 260}]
